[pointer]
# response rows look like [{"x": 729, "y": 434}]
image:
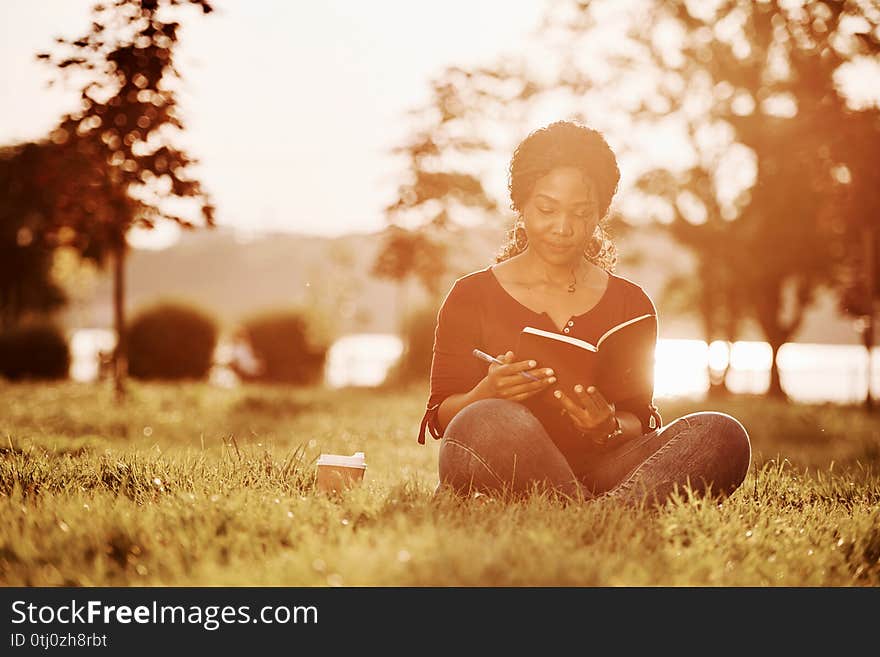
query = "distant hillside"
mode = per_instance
[{"x": 234, "y": 278}]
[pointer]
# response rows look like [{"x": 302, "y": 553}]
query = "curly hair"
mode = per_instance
[{"x": 564, "y": 143}]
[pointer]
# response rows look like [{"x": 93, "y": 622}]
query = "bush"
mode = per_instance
[
  {"x": 285, "y": 343},
  {"x": 171, "y": 340},
  {"x": 34, "y": 351},
  {"x": 418, "y": 346}
]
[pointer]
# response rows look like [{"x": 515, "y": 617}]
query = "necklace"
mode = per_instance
[{"x": 573, "y": 285}]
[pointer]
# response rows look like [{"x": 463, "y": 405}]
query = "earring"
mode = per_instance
[
  {"x": 520, "y": 238},
  {"x": 594, "y": 247}
]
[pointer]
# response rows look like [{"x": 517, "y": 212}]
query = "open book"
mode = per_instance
[{"x": 620, "y": 364}]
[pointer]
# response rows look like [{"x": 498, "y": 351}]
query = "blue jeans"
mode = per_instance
[{"x": 498, "y": 446}]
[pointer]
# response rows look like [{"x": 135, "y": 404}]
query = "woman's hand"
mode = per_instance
[
  {"x": 507, "y": 382},
  {"x": 591, "y": 414}
]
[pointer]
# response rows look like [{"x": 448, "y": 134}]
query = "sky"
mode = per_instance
[{"x": 291, "y": 107}]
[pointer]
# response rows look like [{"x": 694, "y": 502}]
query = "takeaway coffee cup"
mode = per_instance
[{"x": 337, "y": 472}]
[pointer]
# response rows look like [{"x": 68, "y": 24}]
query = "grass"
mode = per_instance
[{"x": 195, "y": 485}]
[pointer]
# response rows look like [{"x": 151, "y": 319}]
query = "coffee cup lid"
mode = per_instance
[{"x": 356, "y": 460}]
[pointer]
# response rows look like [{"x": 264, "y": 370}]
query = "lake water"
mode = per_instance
[{"x": 809, "y": 372}]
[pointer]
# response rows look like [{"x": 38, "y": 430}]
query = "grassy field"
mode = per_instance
[{"x": 194, "y": 485}]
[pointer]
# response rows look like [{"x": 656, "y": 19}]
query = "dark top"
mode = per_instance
[{"x": 478, "y": 313}]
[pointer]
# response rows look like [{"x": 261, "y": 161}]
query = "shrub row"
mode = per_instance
[
  {"x": 173, "y": 341},
  {"x": 176, "y": 341},
  {"x": 34, "y": 351}
]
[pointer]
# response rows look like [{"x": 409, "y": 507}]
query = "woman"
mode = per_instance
[{"x": 555, "y": 274}]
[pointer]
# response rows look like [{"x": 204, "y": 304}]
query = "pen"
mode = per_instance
[{"x": 482, "y": 355}]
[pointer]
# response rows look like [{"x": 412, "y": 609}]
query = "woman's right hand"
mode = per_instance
[{"x": 506, "y": 381}]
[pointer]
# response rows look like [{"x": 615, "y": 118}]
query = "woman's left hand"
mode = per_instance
[{"x": 591, "y": 413}]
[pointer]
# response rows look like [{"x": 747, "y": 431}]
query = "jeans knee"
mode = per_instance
[
  {"x": 490, "y": 417},
  {"x": 499, "y": 445},
  {"x": 726, "y": 432},
  {"x": 737, "y": 440},
  {"x": 732, "y": 431}
]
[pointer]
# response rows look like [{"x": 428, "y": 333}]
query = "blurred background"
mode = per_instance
[{"x": 283, "y": 192}]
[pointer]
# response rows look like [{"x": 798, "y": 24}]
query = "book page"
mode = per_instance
[{"x": 614, "y": 329}]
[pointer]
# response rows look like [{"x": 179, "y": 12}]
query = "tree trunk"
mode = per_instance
[
  {"x": 776, "y": 331},
  {"x": 868, "y": 331},
  {"x": 4, "y": 313},
  {"x": 719, "y": 317},
  {"x": 718, "y": 380},
  {"x": 10, "y": 312},
  {"x": 868, "y": 341},
  {"x": 775, "y": 390},
  {"x": 400, "y": 311},
  {"x": 718, "y": 390},
  {"x": 120, "y": 354}
]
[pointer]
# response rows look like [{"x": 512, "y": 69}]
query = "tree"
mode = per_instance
[
  {"x": 855, "y": 216},
  {"x": 442, "y": 180},
  {"x": 751, "y": 88},
  {"x": 768, "y": 72},
  {"x": 124, "y": 131},
  {"x": 713, "y": 289},
  {"x": 26, "y": 283},
  {"x": 416, "y": 253}
]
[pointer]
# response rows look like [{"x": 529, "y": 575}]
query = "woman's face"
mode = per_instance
[{"x": 561, "y": 215}]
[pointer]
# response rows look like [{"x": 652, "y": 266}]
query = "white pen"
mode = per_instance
[{"x": 482, "y": 355}]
